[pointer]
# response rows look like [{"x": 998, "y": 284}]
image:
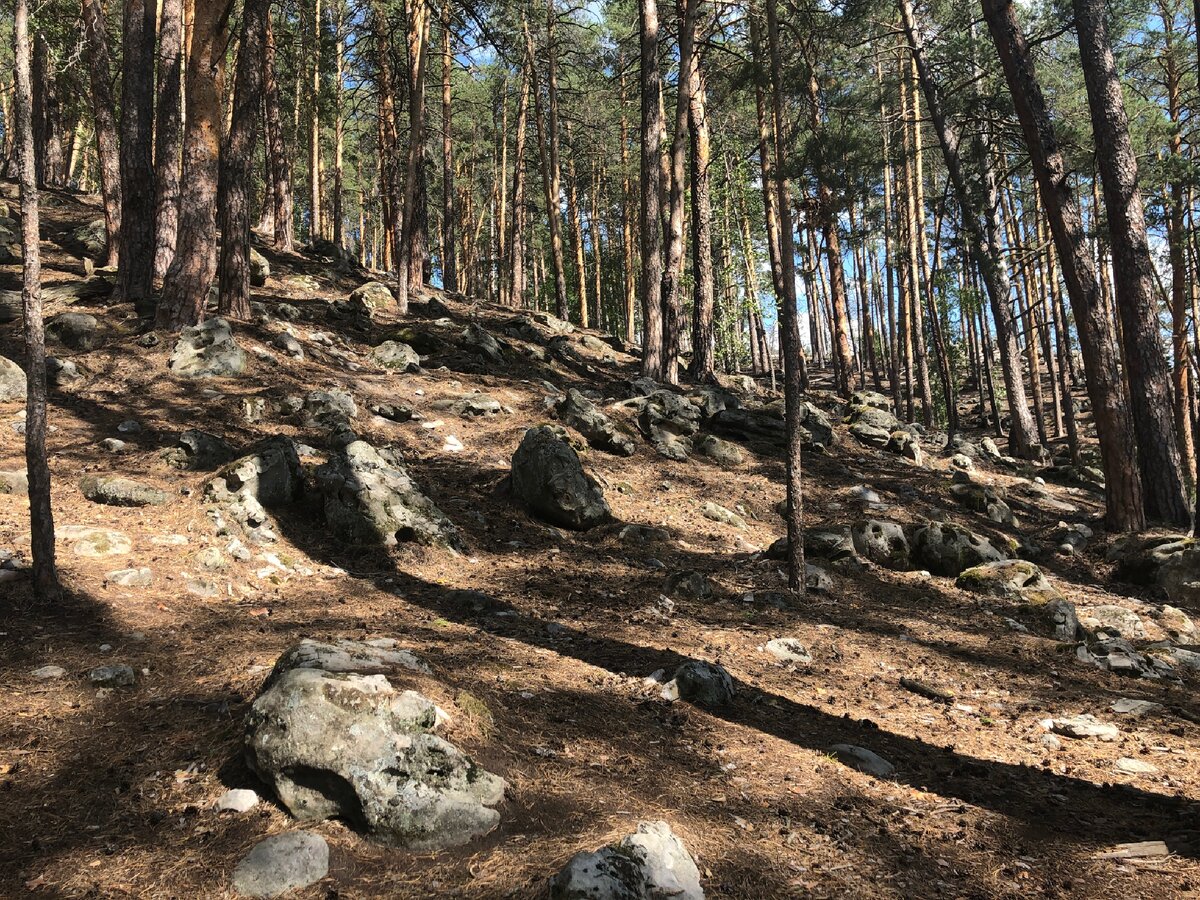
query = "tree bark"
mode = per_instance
[
  {"x": 1133, "y": 270},
  {"x": 417, "y": 22},
  {"x": 791, "y": 349},
  {"x": 47, "y": 117},
  {"x": 107, "y": 147},
  {"x": 314, "y": 126},
  {"x": 237, "y": 161},
  {"x": 41, "y": 516},
  {"x": 135, "y": 276},
  {"x": 575, "y": 215},
  {"x": 704, "y": 292},
  {"x": 650, "y": 232},
  {"x": 516, "y": 243},
  {"x": 1101, "y": 359},
  {"x": 449, "y": 258},
  {"x": 168, "y": 136},
  {"x": 185, "y": 288},
  {"x": 281, "y": 167}
]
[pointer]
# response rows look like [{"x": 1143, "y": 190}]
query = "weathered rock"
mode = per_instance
[
  {"x": 1014, "y": 579},
  {"x": 578, "y": 412},
  {"x": 651, "y": 864},
  {"x": 884, "y": 543},
  {"x": 60, "y": 372},
  {"x": 207, "y": 350},
  {"x": 1117, "y": 655},
  {"x": 1065, "y": 621},
  {"x": 266, "y": 477},
  {"x": 112, "y": 490},
  {"x": 370, "y": 498},
  {"x": 689, "y": 585},
  {"x": 470, "y": 405},
  {"x": 984, "y": 499},
  {"x": 260, "y": 268},
  {"x": 93, "y": 543},
  {"x": 1082, "y": 726},
  {"x": 48, "y": 673},
  {"x": 14, "y": 482},
  {"x": 141, "y": 577},
  {"x": 789, "y": 650},
  {"x": 354, "y": 746},
  {"x": 1116, "y": 620},
  {"x": 862, "y": 759},
  {"x": 871, "y": 435},
  {"x": 12, "y": 381},
  {"x": 872, "y": 399},
  {"x": 1178, "y": 624},
  {"x": 372, "y": 296},
  {"x": 947, "y": 549},
  {"x": 78, "y": 331},
  {"x": 396, "y": 356},
  {"x": 549, "y": 480},
  {"x": 710, "y": 400},
  {"x": 112, "y": 676},
  {"x": 643, "y": 534},
  {"x": 379, "y": 656},
  {"x": 238, "y": 800},
  {"x": 668, "y": 421},
  {"x": 91, "y": 238},
  {"x": 478, "y": 337},
  {"x": 905, "y": 444},
  {"x": 700, "y": 682},
  {"x": 719, "y": 451},
  {"x": 198, "y": 451},
  {"x": 719, "y": 513},
  {"x": 1071, "y": 539},
  {"x": 282, "y": 863}
]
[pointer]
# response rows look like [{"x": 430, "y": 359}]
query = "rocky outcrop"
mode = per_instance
[
  {"x": 207, "y": 350},
  {"x": 268, "y": 476},
  {"x": 578, "y": 412},
  {"x": 1014, "y": 579},
  {"x": 355, "y": 746},
  {"x": 947, "y": 549},
  {"x": 370, "y": 498},
  {"x": 549, "y": 480}
]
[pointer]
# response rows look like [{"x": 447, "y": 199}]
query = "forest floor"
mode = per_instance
[{"x": 109, "y": 793}]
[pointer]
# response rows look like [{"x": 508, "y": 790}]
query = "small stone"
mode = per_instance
[
  {"x": 1129, "y": 766},
  {"x": 112, "y": 676},
  {"x": 689, "y": 585},
  {"x": 113, "y": 445},
  {"x": 700, "y": 682},
  {"x": 282, "y": 863},
  {"x": 130, "y": 426},
  {"x": 789, "y": 650},
  {"x": 49, "y": 673},
  {"x": 719, "y": 513},
  {"x": 1130, "y": 707},
  {"x": 238, "y": 800},
  {"x": 862, "y": 759},
  {"x": 93, "y": 543},
  {"x": 130, "y": 577},
  {"x": 1084, "y": 726},
  {"x": 1051, "y": 742}
]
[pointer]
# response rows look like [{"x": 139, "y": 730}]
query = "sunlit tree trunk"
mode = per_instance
[
  {"x": 649, "y": 224},
  {"x": 516, "y": 243},
  {"x": 107, "y": 147}
]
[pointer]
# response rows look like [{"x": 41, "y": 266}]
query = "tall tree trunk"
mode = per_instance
[
  {"x": 168, "y": 136},
  {"x": 1101, "y": 359},
  {"x": 41, "y": 516},
  {"x": 704, "y": 291},
  {"x": 185, "y": 288},
  {"x": 47, "y": 116},
  {"x": 922, "y": 255},
  {"x": 791, "y": 350},
  {"x": 339, "y": 128},
  {"x": 629, "y": 275},
  {"x": 314, "y": 125},
  {"x": 650, "y": 232},
  {"x": 1133, "y": 270},
  {"x": 281, "y": 168},
  {"x": 575, "y": 214},
  {"x": 673, "y": 265},
  {"x": 393, "y": 203},
  {"x": 107, "y": 148},
  {"x": 551, "y": 186},
  {"x": 516, "y": 243},
  {"x": 555, "y": 169},
  {"x": 136, "y": 273},
  {"x": 984, "y": 241},
  {"x": 888, "y": 254},
  {"x": 449, "y": 259},
  {"x": 237, "y": 162},
  {"x": 416, "y": 18}
]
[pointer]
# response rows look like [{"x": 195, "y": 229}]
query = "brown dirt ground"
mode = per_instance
[{"x": 107, "y": 794}]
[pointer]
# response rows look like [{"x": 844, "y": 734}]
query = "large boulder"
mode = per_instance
[
  {"x": 378, "y": 656},
  {"x": 478, "y": 337},
  {"x": 260, "y": 269},
  {"x": 12, "y": 381},
  {"x": 766, "y": 423},
  {"x": 884, "y": 543},
  {"x": 112, "y": 490},
  {"x": 1014, "y": 579},
  {"x": 650, "y": 864},
  {"x": 1169, "y": 561},
  {"x": 984, "y": 499},
  {"x": 353, "y": 746},
  {"x": 578, "y": 412},
  {"x": 198, "y": 451},
  {"x": 947, "y": 549},
  {"x": 372, "y": 296},
  {"x": 268, "y": 476},
  {"x": 396, "y": 356},
  {"x": 549, "y": 480},
  {"x": 207, "y": 351},
  {"x": 78, "y": 331},
  {"x": 370, "y": 498},
  {"x": 668, "y": 420},
  {"x": 282, "y": 863}
]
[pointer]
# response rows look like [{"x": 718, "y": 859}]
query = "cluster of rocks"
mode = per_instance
[
  {"x": 267, "y": 477},
  {"x": 207, "y": 350},
  {"x": 872, "y": 423}
]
